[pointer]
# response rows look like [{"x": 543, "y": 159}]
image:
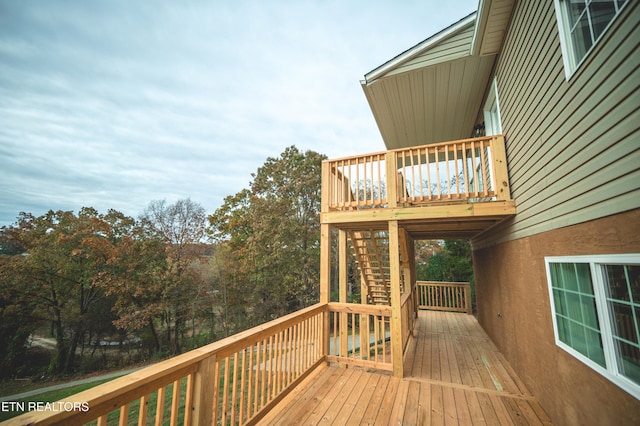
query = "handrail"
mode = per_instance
[
  {"x": 464, "y": 170},
  {"x": 445, "y": 296},
  {"x": 234, "y": 380}
]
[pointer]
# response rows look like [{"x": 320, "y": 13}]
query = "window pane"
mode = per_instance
[
  {"x": 563, "y": 330},
  {"x": 633, "y": 278},
  {"x": 575, "y": 8},
  {"x": 583, "y": 276},
  {"x": 625, "y": 325},
  {"x": 589, "y": 311},
  {"x": 561, "y": 305},
  {"x": 617, "y": 283},
  {"x": 583, "y": 23},
  {"x": 581, "y": 38},
  {"x": 622, "y": 294},
  {"x": 594, "y": 346},
  {"x": 602, "y": 12},
  {"x": 629, "y": 361},
  {"x": 575, "y": 306},
  {"x": 567, "y": 275}
]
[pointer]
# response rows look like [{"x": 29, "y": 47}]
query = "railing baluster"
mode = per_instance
[
  {"x": 483, "y": 168},
  {"x": 142, "y": 410},
  {"x": 160, "y": 406},
  {"x": 175, "y": 401},
  {"x": 124, "y": 415},
  {"x": 420, "y": 179}
]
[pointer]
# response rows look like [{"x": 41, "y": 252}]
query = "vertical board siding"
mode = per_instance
[{"x": 573, "y": 146}]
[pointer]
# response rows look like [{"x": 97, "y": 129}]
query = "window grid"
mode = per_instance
[
  {"x": 608, "y": 298},
  {"x": 581, "y": 24}
]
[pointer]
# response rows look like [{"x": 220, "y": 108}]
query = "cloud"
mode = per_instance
[{"x": 113, "y": 104}]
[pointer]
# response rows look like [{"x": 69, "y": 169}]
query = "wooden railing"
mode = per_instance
[
  {"x": 360, "y": 335},
  {"x": 407, "y": 312},
  {"x": 464, "y": 170},
  {"x": 444, "y": 296},
  {"x": 232, "y": 381}
]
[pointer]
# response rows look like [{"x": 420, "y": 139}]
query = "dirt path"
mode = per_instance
[{"x": 72, "y": 383}]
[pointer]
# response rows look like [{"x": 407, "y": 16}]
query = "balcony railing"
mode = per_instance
[
  {"x": 445, "y": 296},
  {"x": 238, "y": 379},
  {"x": 465, "y": 170}
]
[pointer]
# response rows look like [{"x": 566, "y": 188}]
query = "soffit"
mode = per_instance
[
  {"x": 492, "y": 22},
  {"x": 429, "y": 104},
  {"x": 433, "y": 92}
]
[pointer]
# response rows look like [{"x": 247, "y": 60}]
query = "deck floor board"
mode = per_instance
[{"x": 455, "y": 376}]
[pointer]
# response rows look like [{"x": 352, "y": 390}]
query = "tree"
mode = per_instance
[
  {"x": 181, "y": 227},
  {"x": 18, "y": 320},
  {"x": 56, "y": 276},
  {"x": 137, "y": 273},
  {"x": 271, "y": 233},
  {"x": 451, "y": 263}
]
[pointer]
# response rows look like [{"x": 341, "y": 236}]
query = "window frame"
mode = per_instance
[
  {"x": 491, "y": 112},
  {"x": 566, "y": 42},
  {"x": 597, "y": 264}
]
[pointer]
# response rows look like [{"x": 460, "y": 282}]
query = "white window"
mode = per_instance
[
  {"x": 581, "y": 23},
  {"x": 595, "y": 304},
  {"x": 492, "y": 123}
]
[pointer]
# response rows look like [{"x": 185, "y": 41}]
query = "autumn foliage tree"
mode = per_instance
[
  {"x": 181, "y": 227},
  {"x": 57, "y": 275},
  {"x": 270, "y": 236}
]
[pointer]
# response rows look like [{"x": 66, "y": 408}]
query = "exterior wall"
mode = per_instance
[
  {"x": 573, "y": 147},
  {"x": 573, "y": 150},
  {"x": 454, "y": 47},
  {"x": 513, "y": 307}
]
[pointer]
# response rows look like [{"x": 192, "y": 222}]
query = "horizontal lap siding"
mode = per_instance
[
  {"x": 573, "y": 147},
  {"x": 454, "y": 47}
]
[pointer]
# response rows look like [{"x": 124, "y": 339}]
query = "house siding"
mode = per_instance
[
  {"x": 454, "y": 47},
  {"x": 514, "y": 309},
  {"x": 573, "y": 147},
  {"x": 573, "y": 150}
]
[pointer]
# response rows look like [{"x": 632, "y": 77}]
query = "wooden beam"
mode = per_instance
[
  {"x": 480, "y": 210},
  {"x": 396, "y": 299},
  {"x": 325, "y": 262}
]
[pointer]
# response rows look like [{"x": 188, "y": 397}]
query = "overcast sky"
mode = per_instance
[{"x": 113, "y": 104}]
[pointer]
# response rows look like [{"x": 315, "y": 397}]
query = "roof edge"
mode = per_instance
[{"x": 417, "y": 49}]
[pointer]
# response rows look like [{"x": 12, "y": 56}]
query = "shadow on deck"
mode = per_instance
[{"x": 455, "y": 375}]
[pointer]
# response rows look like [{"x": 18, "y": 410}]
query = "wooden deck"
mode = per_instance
[{"x": 455, "y": 375}]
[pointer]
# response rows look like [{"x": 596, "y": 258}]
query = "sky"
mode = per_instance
[{"x": 112, "y": 104}]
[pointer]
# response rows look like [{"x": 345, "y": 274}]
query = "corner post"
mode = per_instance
[
  {"x": 392, "y": 179},
  {"x": 396, "y": 300},
  {"x": 325, "y": 284},
  {"x": 500, "y": 170},
  {"x": 203, "y": 392}
]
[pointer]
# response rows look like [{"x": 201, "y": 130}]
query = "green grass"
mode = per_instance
[
  {"x": 112, "y": 418},
  {"x": 51, "y": 396}
]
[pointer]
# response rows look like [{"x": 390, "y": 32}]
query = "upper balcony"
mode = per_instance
[{"x": 462, "y": 183}]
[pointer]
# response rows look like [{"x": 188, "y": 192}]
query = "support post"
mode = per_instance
[
  {"x": 500, "y": 171},
  {"x": 342, "y": 296},
  {"x": 392, "y": 179},
  {"x": 325, "y": 283},
  {"x": 203, "y": 392},
  {"x": 396, "y": 299}
]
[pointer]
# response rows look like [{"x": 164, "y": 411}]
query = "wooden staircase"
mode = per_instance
[{"x": 371, "y": 250}]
